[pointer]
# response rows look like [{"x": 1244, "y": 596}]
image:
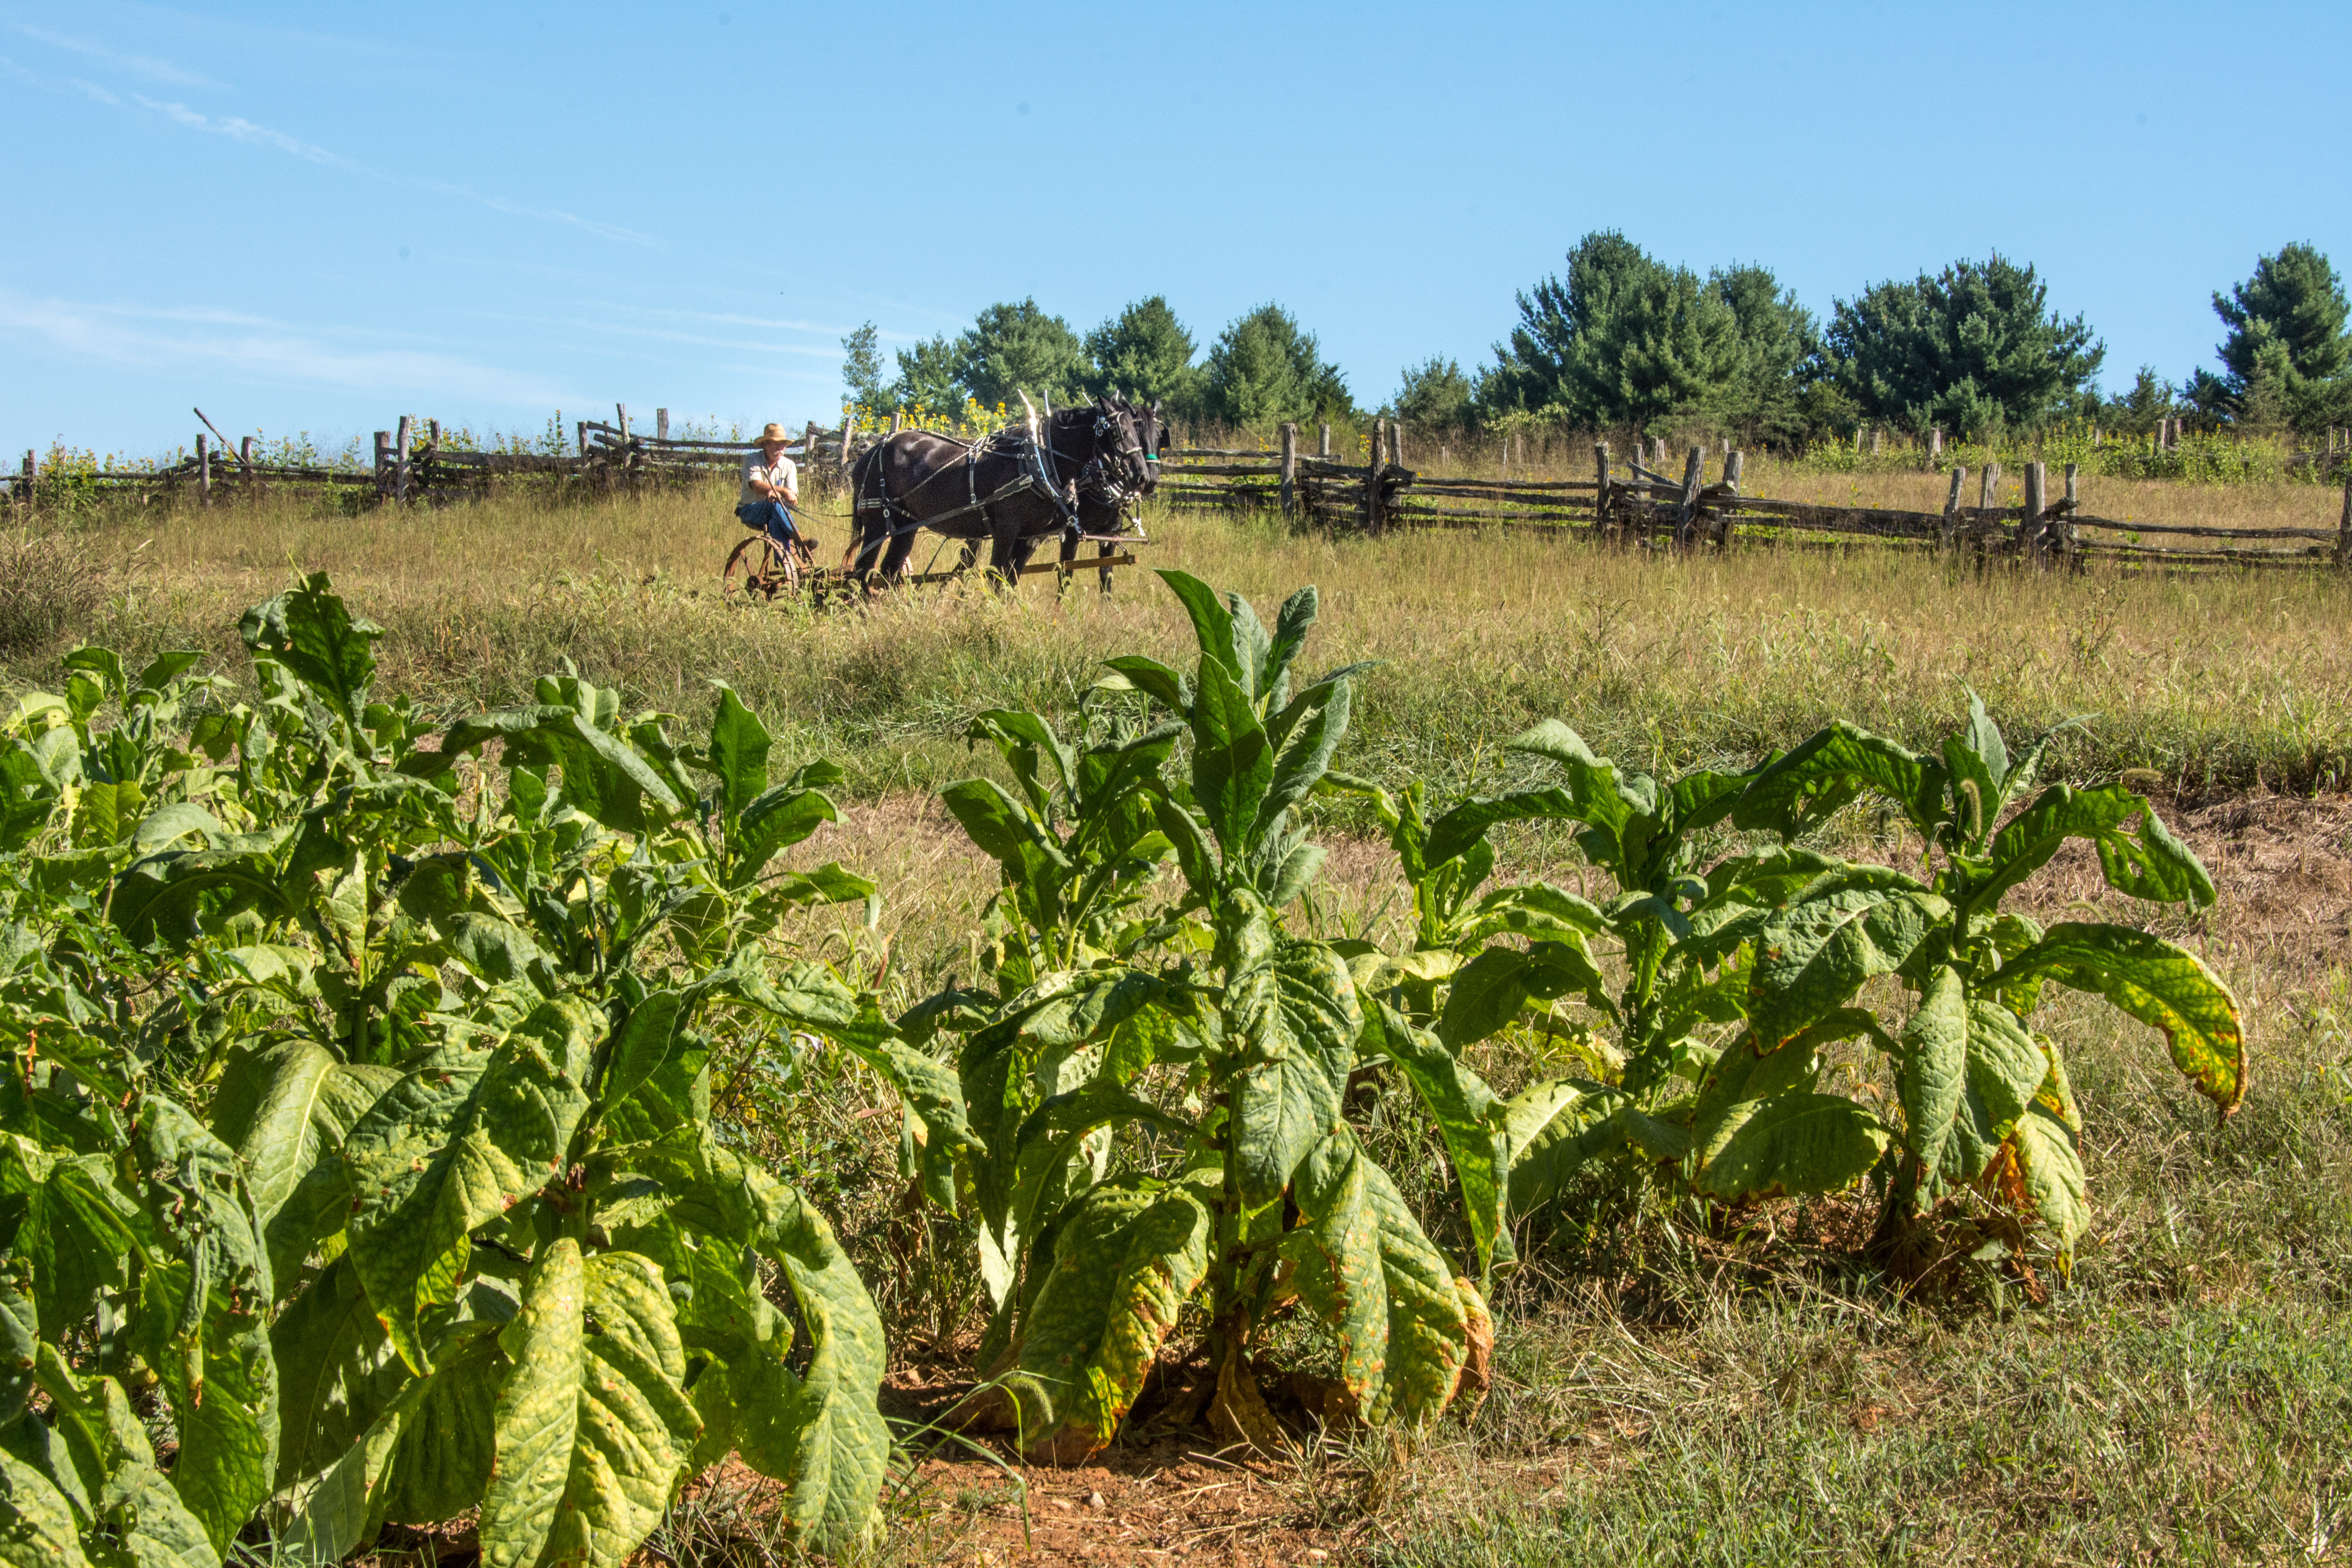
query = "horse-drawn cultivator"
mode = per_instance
[{"x": 1077, "y": 476}]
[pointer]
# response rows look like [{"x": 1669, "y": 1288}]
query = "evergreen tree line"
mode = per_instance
[{"x": 1620, "y": 339}]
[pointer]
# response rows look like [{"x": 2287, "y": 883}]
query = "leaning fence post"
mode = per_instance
[
  {"x": 1289, "y": 464},
  {"x": 1686, "y": 513},
  {"x": 383, "y": 464},
  {"x": 1951, "y": 529},
  {"x": 400, "y": 461}
]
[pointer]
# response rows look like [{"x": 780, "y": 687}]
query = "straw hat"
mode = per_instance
[{"x": 774, "y": 435}]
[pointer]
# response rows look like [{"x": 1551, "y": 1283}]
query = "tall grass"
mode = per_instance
[{"x": 2215, "y": 682}]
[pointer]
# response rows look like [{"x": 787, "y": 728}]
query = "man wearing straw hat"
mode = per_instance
[{"x": 771, "y": 487}]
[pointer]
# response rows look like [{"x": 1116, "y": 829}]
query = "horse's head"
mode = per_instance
[
  {"x": 1122, "y": 464},
  {"x": 1153, "y": 431}
]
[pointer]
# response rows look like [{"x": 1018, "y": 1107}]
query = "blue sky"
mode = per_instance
[{"x": 319, "y": 217}]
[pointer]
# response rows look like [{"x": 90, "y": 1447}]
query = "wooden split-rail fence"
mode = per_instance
[
  {"x": 1632, "y": 503},
  {"x": 1628, "y": 502}
]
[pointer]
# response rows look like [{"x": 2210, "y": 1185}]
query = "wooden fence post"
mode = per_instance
[
  {"x": 661, "y": 425},
  {"x": 245, "y": 456},
  {"x": 2031, "y": 527},
  {"x": 1950, "y": 535},
  {"x": 621, "y": 419},
  {"x": 383, "y": 464},
  {"x": 2068, "y": 534},
  {"x": 1876, "y": 432},
  {"x": 896, "y": 416},
  {"x": 400, "y": 460},
  {"x": 1686, "y": 514},
  {"x": 432, "y": 434},
  {"x": 1988, "y": 497},
  {"x": 846, "y": 420},
  {"x": 580, "y": 432},
  {"x": 1601, "y": 524},
  {"x": 1372, "y": 482},
  {"x": 25, "y": 490},
  {"x": 1289, "y": 463},
  {"x": 2343, "y": 528},
  {"x": 1506, "y": 454},
  {"x": 1396, "y": 442},
  {"x": 1325, "y": 450},
  {"x": 204, "y": 473},
  {"x": 1735, "y": 463},
  {"x": 1935, "y": 444}
]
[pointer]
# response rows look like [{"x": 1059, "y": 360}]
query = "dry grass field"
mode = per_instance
[{"x": 1674, "y": 1387}]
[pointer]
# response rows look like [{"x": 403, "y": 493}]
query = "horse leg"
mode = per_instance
[
  {"x": 1008, "y": 556},
  {"x": 1103, "y": 550},
  {"x": 1069, "y": 553}
]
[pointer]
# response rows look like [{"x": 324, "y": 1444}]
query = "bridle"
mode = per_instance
[{"x": 1103, "y": 477}]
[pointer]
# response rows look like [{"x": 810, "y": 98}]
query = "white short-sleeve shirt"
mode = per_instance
[{"x": 782, "y": 473}]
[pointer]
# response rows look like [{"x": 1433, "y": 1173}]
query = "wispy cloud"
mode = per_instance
[
  {"x": 241, "y": 130},
  {"x": 138, "y": 65},
  {"x": 254, "y": 349},
  {"x": 237, "y": 128}
]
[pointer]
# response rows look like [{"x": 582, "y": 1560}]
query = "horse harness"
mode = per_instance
[{"x": 1095, "y": 481}]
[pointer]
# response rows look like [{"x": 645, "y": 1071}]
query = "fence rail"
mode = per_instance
[
  {"x": 1628, "y": 502},
  {"x": 1633, "y": 503}
]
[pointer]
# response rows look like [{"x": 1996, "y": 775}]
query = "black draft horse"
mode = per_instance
[{"x": 1085, "y": 466}]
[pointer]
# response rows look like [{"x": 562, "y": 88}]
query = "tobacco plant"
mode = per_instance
[
  {"x": 456, "y": 1230},
  {"x": 1191, "y": 1032},
  {"x": 1739, "y": 974}
]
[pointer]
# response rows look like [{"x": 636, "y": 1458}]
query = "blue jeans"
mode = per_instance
[{"x": 771, "y": 515}]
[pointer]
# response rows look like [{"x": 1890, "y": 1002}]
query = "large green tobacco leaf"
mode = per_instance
[
  {"x": 1296, "y": 1017},
  {"x": 336, "y": 1368},
  {"x": 2003, "y": 1069},
  {"x": 441, "y": 1464},
  {"x": 1932, "y": 1066},
  {"x": 2047, "y": 1180},
  {"x": 592, "y": 1426},
  {"x": 37, "y": 1528},
  {"x": 605, "y": 777},
  {"x": 1306, "y": 756},
  {"x": 1232, "y": 759},
  {"x": 1553, "y": 1127},
  {"x": 818, "y": 1432},
  {"x": 281, "y": 1108},
  {"x": 309, "y": 631},
  {"x": 1815, "y": 952},
  {"x": 739, "y": 753},
  {"x": 1794, "y": 1144},
  {"x": 202, "y": 1296},
  {"x": 80, "y": 1228},
  {"x": 1404, "y": 1319},
  {"x": 1824, "y": 772},
  {"x": 2160, "y": 984},
  {"x": 2154, "y": 865},
  {"x": 1125, "y": 1259},
  {"x": 1470, "y": 1119},
  {"x": 94, "y": 1453},
  {"x": 452, "y": 1145}
]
